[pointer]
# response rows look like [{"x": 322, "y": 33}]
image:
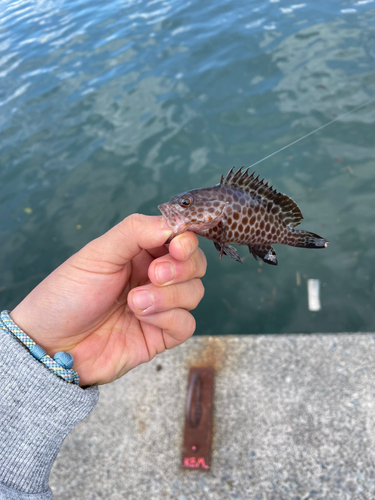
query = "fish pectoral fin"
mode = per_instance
[
  {"x": 266, "y": 253},
  {"x": 220, "y": 248},
  {"x": 217, "y": 246},
  {"x": 232, "y": 253},
  {"x": 252, "y": 252},
  {"x": 228, "y": 250}
]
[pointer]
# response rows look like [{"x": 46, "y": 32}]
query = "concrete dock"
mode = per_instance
[{"x": 294, "y": 418}]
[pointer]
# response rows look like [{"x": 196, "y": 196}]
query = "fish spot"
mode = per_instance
[
  {"x": 229, "y": 220},
  {"x": 236, "y": 234},
  {"x": 253, "y": 219},
  {"x": 266, "y": 217},
  {"x": 275, "y": 210},
  {"x": 245, "y": 220},
  {"x": 273, "y": 230},
  {"x": 230, "y": 234},
  {"x": 216, "y": 204},
  {"x": 271, "y": 218},
  {"x": 247, "y": 230},
  {"x": 261, "y": 225},
  {"x": 211, "y": 210},
  {"x": 240, "y": 228},
  {"x": 200, "y": 210},
  {"x": 257, "y": 232},
  {"x": 235, "y": 196},
  {"x": 234, "y": 225},
  {"x": 259, "y": 217},
  {"x": 236, "y": 215},
  {"x": 268, "y": 227},
  {"x": 237, "y": 207}
]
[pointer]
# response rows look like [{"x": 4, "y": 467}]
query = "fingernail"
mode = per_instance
[
  {"x": 187, "y": 246},
  {"x": 142, "y": 300},
  {"x": 164, "y": 272}
]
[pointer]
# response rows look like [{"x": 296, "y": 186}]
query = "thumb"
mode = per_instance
[{"x": 128, "y": 238}]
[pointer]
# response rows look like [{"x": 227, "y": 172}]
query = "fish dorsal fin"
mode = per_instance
[{"x": 280, "y": 204}]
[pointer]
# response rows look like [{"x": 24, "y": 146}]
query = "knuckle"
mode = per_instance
[
  {"x": 198, "y": 293},
  {"x": 202, "y": 264},
  {"x": 190, "y": 325},
  {"x": 174, "y": 319},
  {"x": 193, "y": 266},
  {"x": 174, "y": 295},
  {"x": 132, "y": 223},
  {"x": 201, "y": 290},
  {"x": 181, "y": 325}
]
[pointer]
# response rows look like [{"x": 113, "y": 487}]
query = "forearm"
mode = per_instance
[{"x": 37, "y": 411}]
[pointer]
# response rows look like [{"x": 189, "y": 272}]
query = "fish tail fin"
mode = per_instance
[{"x": 305, "y": 239}]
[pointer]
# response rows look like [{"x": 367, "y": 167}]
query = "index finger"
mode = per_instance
[{"x": 183, "y": 245}]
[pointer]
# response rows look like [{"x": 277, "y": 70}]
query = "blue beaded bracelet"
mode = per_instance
[{"x": 60, "y": 365}]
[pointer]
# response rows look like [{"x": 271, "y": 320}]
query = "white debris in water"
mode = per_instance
[
  {"x": 313, "y": 292},
  {"x": 291, "y": 8},
  {"x": 298, "y": 278},
  {"x": 269, "y": 27},
  {"x": 348, "y": 11},
  {"x": 255, "y": 24}
]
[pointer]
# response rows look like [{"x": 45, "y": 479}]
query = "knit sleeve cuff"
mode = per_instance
[{"x": 37, "y": 411}]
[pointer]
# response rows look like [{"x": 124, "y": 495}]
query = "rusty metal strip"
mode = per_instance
[{"x": 196, "y": 450}]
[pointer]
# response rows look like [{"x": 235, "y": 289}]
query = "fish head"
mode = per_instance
[{"x": 195, "y": 210}]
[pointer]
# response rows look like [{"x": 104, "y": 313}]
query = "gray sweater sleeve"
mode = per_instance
[{"x": 37, "y": 411}]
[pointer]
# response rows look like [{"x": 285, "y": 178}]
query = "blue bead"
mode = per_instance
[
  {"x": 37, "y": 351},
  {"x": 64, "y": 359}
]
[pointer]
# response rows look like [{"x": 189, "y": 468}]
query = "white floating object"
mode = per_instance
[{"x": 313, "y": 292}]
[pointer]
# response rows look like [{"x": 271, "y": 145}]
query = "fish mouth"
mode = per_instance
[
  {"x": 164, "y": 209},
  {"x": 174, "y": 220}
]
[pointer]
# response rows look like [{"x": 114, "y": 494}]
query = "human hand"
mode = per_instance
[{"x": 113, "y": 305}]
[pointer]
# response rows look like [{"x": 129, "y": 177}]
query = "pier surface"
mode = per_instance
[{"x": 294, "y": 418}]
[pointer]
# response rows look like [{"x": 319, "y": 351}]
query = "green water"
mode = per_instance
[{"x": 110, "y": 108}]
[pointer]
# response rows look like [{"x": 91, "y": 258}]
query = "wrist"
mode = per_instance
[
  {"x": 60, "y": 365},
  {"x": 25, "y": 322}
]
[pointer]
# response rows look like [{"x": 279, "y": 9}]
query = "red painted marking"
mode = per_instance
[{"x": 195, "y": 463}]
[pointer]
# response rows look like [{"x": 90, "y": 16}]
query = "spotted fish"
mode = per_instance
[{"x": 244, "y": 210}]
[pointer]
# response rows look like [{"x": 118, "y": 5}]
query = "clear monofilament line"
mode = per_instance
[{"x": 314, "y": 131}]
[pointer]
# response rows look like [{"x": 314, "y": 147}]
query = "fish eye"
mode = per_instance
[{"x": 186, "y": 201}]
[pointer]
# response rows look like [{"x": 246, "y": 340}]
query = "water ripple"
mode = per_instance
[{"x": 114, "y": 107}]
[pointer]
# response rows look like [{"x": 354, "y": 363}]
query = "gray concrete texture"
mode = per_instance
[{"x": 294, "y": 418}]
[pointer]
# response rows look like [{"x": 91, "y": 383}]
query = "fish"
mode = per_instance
[{"x": 243, "y": 210}]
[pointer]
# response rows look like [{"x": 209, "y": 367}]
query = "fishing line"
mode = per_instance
[{"x": 314, "y": 131}]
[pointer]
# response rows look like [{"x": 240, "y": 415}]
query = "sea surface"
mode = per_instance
[{"x": 113, "y": 107}]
